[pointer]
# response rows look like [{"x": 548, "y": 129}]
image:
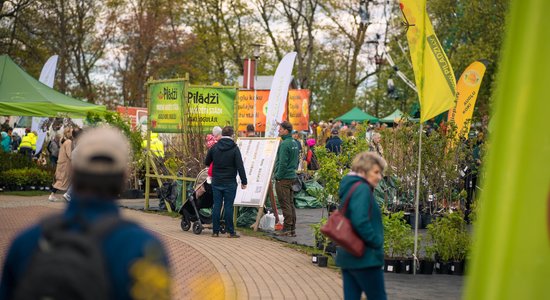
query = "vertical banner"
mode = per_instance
[
  {"x": 245, "y": 110},
  {"x": 210, "y": 106},
  {"x": 433, "y": 72},
  {"x": 510, "y": 257},
  {"x": 47, "y": 77},
  {"x": 298, "y": 109},
  {"x": 167, "y": 106},
  {"x": 278, "y": 94},
  {"x": 467, "y": 89}
]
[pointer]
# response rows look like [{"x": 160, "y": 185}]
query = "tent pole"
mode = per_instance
[{"x": 416, "y": 200}]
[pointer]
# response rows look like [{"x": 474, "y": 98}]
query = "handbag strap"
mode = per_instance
[{"x": 346, "y": 201}]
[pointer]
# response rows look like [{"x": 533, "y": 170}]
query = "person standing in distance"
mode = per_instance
[
  {"x": 228, "y": 161},
  {"x": 285, "y": 174}
]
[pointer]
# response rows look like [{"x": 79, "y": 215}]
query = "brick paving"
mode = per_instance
[{"x": 204, "y": 267}]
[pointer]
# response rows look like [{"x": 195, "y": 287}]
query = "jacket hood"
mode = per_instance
[
  {"x": 347, "y": 182},
  {"x": 225, "y": 144}
]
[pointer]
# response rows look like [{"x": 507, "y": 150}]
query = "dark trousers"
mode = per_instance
[
  {"x": 27, "y": 152},
  {"x": 368, "y": 280},
  {"x": 53, "y": 161},
  {"x": 285, "y": 195},
  {"x": 225, "y": 194}
]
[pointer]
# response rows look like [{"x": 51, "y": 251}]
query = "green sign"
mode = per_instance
[
  {"x": 210, "y": 106},
  {"x": 166, "y": 106}
]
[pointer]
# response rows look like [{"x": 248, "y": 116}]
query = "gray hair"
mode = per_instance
[
  {"x": 364, "y": 161},
  {"x": 217, "y": 131}
]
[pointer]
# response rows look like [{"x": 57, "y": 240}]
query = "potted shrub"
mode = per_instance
[
  {"x": 321, "y": 242},
  {"x": 398, "y": 243},
  {"x": 450, "y": 241},
  {"x": 426, "y": 263}
]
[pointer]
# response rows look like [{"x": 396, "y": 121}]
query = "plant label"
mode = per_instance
[
  {"x": 314, "y": 259},
  {"x": 453, "y": 268},
  {"x": 407, "y": 268},
  {"x": 390, "y": 268}
]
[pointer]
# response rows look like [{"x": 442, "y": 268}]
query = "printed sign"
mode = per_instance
[
  {"x": 298, "y": 107},
  {"x": 166, "y": 106},
  {"x": 259, "y": 159},
  {"x": 137, "y": 115},
  {"x": 210, "y": 106}
]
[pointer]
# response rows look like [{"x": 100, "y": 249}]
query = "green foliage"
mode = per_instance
[
  {"x": 116, "y": 120},
  {"x": 14, "y": 178},
  {"x": 449, "y": 237},
  {"x": 10, "y": 161},
  {"x": 317, "y": 235},
  {"x": 398, "y": 238}
]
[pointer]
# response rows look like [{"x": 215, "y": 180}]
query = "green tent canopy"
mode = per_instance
[
  {"x": 356, "y": 114},
  {"x": 22, "y": 95},
  {"x": 396, "y": 115}
]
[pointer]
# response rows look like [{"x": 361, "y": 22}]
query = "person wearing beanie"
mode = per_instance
[{"x": 334, "y": 143}]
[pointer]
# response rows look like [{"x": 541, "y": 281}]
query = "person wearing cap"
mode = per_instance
[
  {"x": 285, "y": 175},
  {"x": 228, "y": 162},
  {"x": 334, "y": 143},
  {"x": 135, "y": 260}
]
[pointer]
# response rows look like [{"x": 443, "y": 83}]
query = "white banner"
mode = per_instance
[
  {"x": 278, "y": 94},
  {"x": 47, "y": 77},
  {"x": 259, "y": 159}
]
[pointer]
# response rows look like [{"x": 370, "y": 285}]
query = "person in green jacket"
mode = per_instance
[
  {"x": 285, "y": 174},
  {"x": 363, "y": 274}
]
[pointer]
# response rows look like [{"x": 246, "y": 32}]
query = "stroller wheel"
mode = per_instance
[
  {"x": 185, "y": 224},
  {"x": 222, "y": 228},
  {"x": 197, "y": 227}
]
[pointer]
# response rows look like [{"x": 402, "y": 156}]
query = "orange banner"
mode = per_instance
[
  {"x": 298, "y": 102},
  {"x": 298, "y": 106},
  {"x": 245, "y": 111}
]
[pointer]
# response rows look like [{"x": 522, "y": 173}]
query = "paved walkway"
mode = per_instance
[{"x": 220, "y": 268}]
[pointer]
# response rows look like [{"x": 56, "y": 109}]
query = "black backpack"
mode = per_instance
[
  {"x": 68, "y": 264},
  {"x": 314, "y": 164}
]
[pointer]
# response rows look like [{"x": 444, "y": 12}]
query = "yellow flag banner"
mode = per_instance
[
  {"x": 467, "y": 90},
  {"x": 433, "y": 73},
  {"x": 510, "y": 257}
]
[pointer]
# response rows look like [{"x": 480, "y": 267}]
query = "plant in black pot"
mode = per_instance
[
  {"x": 398, "y": 243},
  {"x": 320, "y": 240},
  {"x": 451, "y": 241},
  {"x": 427, "y": 261}
]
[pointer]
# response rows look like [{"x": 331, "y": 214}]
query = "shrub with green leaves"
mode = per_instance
[
  {"x": 398, "y": 238},
  {"x": 9, "y": 161},
  {"x": 449, "y": 237},
  {"x": 14, "y": 178}
]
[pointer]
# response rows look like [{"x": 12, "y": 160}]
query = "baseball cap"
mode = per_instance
[
  {"x": 294, "y": 131},
  {"x": 334, "y": 131},
  {"x": 101, "y": 151},
  {"x": 286, "y": 125}
]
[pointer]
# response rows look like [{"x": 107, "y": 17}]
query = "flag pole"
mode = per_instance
[{"x": 416, "y": 200}]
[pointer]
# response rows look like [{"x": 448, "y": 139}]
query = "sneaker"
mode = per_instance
[
  {"x": 52, "y": 198},
  {"x": 234, "y": 235},
  {"x": 215, "y": 234},
  {"x": 67, "y": 197}
]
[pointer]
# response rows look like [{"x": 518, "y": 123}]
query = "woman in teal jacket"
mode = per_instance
[{"x": 363, "y": 274}]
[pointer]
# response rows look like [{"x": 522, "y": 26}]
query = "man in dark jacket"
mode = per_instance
[
  {"x": 334, "y": 143},
  {"x": 228, "y": 161},
  {"x": 285, "y": 174},
  {"x": 130, "y": 253}
]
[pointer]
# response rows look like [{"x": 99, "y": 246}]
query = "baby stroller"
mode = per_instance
[{"x": 199, "y": 197}]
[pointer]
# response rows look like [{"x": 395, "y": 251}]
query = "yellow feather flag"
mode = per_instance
[
  {"x": 510, "y": 258},
  {"x": 467, "y": 89},
  {"x": 435, "y": 80}
]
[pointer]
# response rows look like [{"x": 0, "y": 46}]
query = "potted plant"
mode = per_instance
[
  {"x": 426, "y": 263},
  {"x": 398, "y": 243},
  {"x": 450, "y": 241},
  {"x": 320, "y": 240}
]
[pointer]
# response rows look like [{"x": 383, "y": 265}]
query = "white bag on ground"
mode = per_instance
[{"x": 267, "y": 222}]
